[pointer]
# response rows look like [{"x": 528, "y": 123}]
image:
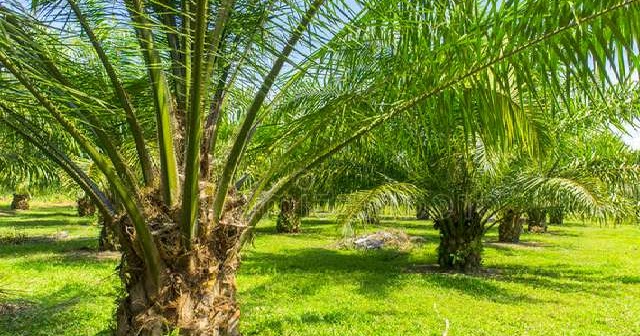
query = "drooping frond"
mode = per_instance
[{"x": 359, "y": 205}]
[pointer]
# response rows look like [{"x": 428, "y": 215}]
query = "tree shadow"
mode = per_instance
[
  {"x": 80, "y": 257},
  {"x": 562, "y": 278},
  {"x": 49, "y": 211},
  {"x": 48, "y": 245},
  {"x": 514, "y": 248},
  {"x": 311, "y": 221},
  {"x": 558, "y": 233},
  {"x": 304, "y": 230},
  {"x": 277, "y": 325},
  {"x": 44, "y": 222},
  {"x": 376, "y": 273},
  {"x": 625, "y": 279},
  {"x": 480, "y": 286},
  {"x": 43, "y": 213},
  {"x": 47, "y": 312},
  {"x": 308, "y": 225},
  {"x": 328, "y": 226}
]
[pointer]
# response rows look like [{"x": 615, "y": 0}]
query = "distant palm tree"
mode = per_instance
[
  {"x": 468, "y": 187},
  {"x": 24, "y": 170}
]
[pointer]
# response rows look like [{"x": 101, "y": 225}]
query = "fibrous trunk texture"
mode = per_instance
[
  {"x": 371, "y": 217},
  {"x": 556, "y": 216},
  {"x": 86, "y": 207},
  {"x": 537, "y": 221},
  {"x": 20, "y": 202},
  {"x": 289, "y": 216},
  {"x": 460, "y": 246},
  {"x": 196, "y": 292},
  {"x": 422, "y": 212},
  {"x": 510, "y": 227},
  {"x": 108, "y": 240}
]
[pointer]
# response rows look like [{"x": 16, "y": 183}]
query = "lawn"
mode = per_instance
[{"x": 576, "y": 280}]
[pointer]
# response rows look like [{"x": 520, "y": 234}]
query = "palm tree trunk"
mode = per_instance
[
  {"x": 537, "y": 221},
  {"x": 372, "y": 217},
  {"x": 289, "y": 216},
  {"x": 421, "y": 212},
  {"x": 510, "y": 227},
  {"x": 86, "y": 207},
  {"x": 556, "y": 216},
  {"x": 108, "y": 240},
  {"x": 196, "y": 293},
  {"x": 460, "y": 246},
  {"x": 20, "y": 202}
]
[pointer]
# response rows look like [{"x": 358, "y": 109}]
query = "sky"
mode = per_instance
[
  {"x": 631, "y": 134},
  {"x": 633, "y": 138}
]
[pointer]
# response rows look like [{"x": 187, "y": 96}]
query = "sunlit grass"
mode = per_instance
[{"x": 576, "y": 280}]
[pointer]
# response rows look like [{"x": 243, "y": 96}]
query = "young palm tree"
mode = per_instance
[
  {"x": 210, "y": 91},
  {"x": 24, "y": 170},
  {"x": 583, "y": 158},
  {"x": 462, "y": 183},
  {"x": 463, "y": 188}
]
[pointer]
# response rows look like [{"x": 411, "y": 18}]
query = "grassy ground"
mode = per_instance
[{"x": 576, "y": 280}]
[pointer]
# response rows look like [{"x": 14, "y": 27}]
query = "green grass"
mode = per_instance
[{"x": 576, "y": 280}]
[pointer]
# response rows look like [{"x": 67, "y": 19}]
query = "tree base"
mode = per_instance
[
  {"x": 556, "y": 217},
  {"x": 510, "y": 228},
  {"x": 86, "y": 207},
  {"x": 20, "y": 202},
  {"x": 460, "y": 246},
  {"x": 197, "y": 302},
  {"x": 537, "y": 229},
  {"x": 108, "y": 240},
  {"x": 194, "y": 293},
  {"x": 537, "y": 221},
  {"x": 372, "y": 218},
  {"x": 422, "y": 212},
  {"x": 289, "y": 216}
]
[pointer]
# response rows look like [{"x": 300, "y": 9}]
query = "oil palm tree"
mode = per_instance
[
  {"x": 463, "y": 188},
  {"x": 24, "y": 170},
  {"x": 463, "y": 183},
  {"x": 214, "y": 80},
  {"x": 583, "y": 158}
]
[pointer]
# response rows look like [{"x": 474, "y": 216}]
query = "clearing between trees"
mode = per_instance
[{"x": 577, "y": 279}]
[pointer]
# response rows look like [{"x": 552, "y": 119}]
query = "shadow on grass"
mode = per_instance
[
  {"x": 48, "y": 245},
  {"x": 516, "y": 248},
  {"x": 40, "y": 208},
  {"x": 47, "y": 312},
  {"x": 308, "y": 225},
  {"x": 82, "y": 257},
  {"x": 311, "y": 221},
  {"x": 279, "y": 325},
  {"x": 480, "y": 286},
  {"x": 555, "y": 232},
  {"x": 304, "y": 231},
  {"x": 563, "y": 278},
  {"x": 43, "y": 213},
  {"x": 44, "y": 222},
  {"x": 376, "y": 273},
  {"x": 626, "y": 279}
]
